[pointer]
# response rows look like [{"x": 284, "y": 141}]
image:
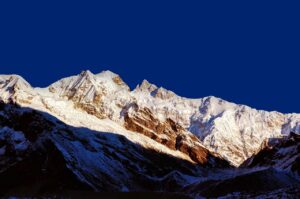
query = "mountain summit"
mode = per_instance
[
  {"x": 233, "y": 132},
  {"x": 141, "y": 126}
]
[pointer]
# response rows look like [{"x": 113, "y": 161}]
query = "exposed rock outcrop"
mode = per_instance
[{"x": 167, "y": 132}]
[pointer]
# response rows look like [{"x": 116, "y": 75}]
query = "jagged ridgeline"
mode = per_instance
[{"x": 106, "y": 137}]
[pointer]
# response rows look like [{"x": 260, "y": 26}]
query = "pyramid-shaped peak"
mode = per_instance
[
  {"x": 13, "y": 81},
  {"x": 12, "y": 77},
  {"x": 10, "y": 85},
  {"x": 146, "y": 86},
  {"x": 86, "y": 73},
  {"x": 84, "y": 76}
]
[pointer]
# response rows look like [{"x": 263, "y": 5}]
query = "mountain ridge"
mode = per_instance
[
  {"x": 106, "y": 137},
  {"x": 214, "y": 121}
]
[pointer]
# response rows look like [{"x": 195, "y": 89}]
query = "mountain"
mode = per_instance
[
  {"x": 283, "y": 153},
  {"x": 91, "y": 132}
]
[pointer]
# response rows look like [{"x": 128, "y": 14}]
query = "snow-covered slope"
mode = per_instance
[
  {"x": 104, "y": 102},
  {"x": 41, "y": 153}
]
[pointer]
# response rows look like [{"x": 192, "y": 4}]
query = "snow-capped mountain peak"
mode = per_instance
[
  {"x": 11, "y": 85},
  {"x": 107, "y": 74},
  {"x": 146, "y": 86},
  {"x": 230, "y": 131},
  {"x": 91, "y": 129},
  {"x": 10, "y": 81}
]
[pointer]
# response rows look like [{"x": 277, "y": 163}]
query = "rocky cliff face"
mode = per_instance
[
  {"x": 167, "y": 132},
  {"x": 283, "y": 154}
]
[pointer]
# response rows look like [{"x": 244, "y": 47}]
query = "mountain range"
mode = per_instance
[{"x": 91, "y": 134}]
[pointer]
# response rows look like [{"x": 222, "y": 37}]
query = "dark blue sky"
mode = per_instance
[{"x": 245, "y": 52}]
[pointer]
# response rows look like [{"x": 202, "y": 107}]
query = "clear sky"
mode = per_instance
[{"x": 247, "y": 52}]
